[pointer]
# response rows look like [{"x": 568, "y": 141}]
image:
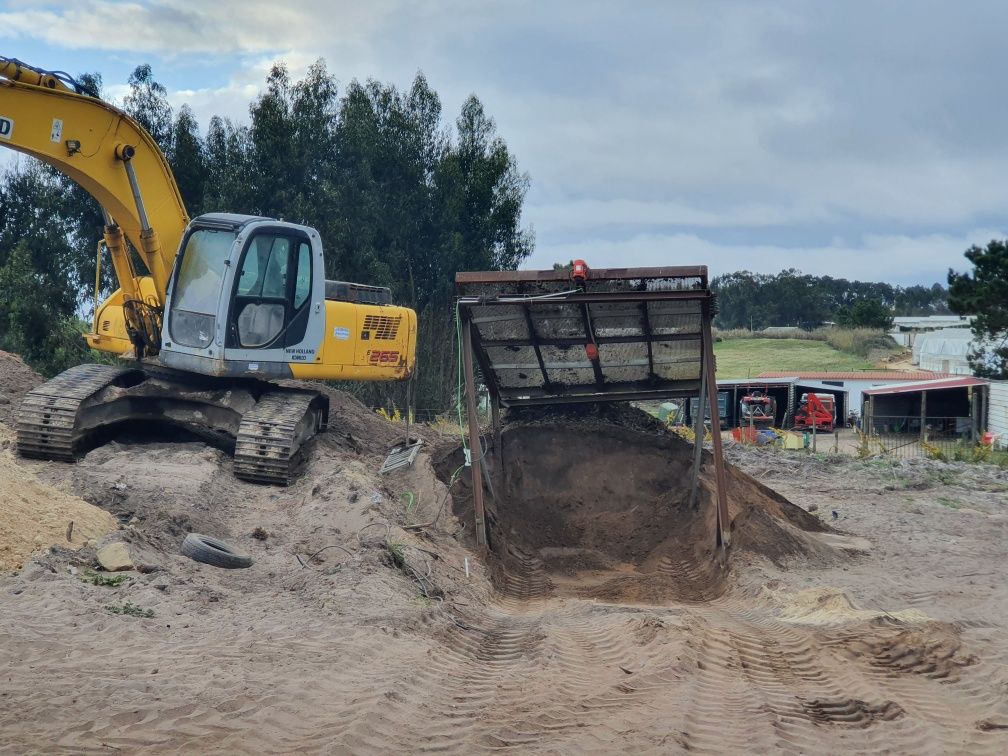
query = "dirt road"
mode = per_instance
[{"x": 891, "y": 637}]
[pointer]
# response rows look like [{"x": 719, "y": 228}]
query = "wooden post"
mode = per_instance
[
  {"x": 974, "y": 394},
  {"x": 723, "y": 534},
  {"x": 409, "y": 406},
  {"x": 698, "y": 427},
  {"x": 923, "y": 417},
  {"x": 475, "y": 450}
]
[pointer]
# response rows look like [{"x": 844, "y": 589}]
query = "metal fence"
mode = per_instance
[{"x": 905, "y": 438}]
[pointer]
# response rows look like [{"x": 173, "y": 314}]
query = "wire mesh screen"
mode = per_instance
[{"x": 632, "y": 333}]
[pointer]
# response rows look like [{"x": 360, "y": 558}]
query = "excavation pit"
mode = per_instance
[{"x": 603, "y": 510}]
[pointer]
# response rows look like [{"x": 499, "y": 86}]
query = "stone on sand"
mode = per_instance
[{"x": 114, "y": 557}]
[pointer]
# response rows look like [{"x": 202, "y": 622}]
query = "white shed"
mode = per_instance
[{"x": 997, "y": 412}]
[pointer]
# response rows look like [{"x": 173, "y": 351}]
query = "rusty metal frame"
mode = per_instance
[
  {"x": 723, "y": 522},
  {"x": 475, "y": 447},
  {"x": 474, "y": 350},
  {"x": 698, "y": 430},
  {"x": 602, "y": 274}
]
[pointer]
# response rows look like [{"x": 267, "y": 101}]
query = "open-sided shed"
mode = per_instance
[{"x": 950, "y": 407}]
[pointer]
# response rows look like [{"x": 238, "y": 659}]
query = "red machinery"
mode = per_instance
[
  {"x": 758, "y": 410},
  {"x": 816, "y": 410}
]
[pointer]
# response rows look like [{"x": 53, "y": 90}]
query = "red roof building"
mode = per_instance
[
  {"x": 935, "y": 385},
  {"x": 856, "y": 375}
]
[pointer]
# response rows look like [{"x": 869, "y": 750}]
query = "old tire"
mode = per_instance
[{"x": 201, "y": 548}]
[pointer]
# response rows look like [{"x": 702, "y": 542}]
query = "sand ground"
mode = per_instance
[{"x": 896, "y": 643}]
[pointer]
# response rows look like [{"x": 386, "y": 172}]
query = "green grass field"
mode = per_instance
[{"x": 744, "y": 358}]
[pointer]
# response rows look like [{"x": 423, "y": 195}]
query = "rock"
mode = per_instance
[
  {"x": 114, "y": 557},
  {"x": 813, "y": 507}
]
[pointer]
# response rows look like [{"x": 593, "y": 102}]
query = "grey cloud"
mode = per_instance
[
  {"x": 770, "y": 128},
  {"x": 894, "y": 258}
]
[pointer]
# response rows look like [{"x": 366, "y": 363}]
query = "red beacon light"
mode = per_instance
[{"x": 579, "y": 271}]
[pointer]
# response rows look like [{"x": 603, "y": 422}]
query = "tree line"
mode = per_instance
[
  {"x": 400, "y": 197},
  {"x": 793, "y": 298}
]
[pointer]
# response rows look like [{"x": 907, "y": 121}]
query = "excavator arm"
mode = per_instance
[{"x": 108, "y": 154}]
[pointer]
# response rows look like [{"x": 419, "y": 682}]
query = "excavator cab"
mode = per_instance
[{"x": 245, "y": 298}]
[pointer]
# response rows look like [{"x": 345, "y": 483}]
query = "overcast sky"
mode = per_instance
[{"x": 859, "y": 139}]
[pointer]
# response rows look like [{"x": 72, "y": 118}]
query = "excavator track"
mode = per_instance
[
  {"x": 266, "y": 425},
  {"x": 269, "y": 444},
  {"x": 48, "y": 423}
]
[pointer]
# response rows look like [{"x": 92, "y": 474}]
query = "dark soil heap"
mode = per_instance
[
  {"x": 599, "y": 497},
  {"x": 16, "y": 380}
]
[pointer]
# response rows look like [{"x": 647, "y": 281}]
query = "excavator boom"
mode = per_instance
[{"x": 98, "y": 146}]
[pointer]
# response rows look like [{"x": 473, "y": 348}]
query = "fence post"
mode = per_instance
[
  {"x": 985, "y": 408},
  {"x": 975, "y": 414},
  {"x": 923, "y": 418}
]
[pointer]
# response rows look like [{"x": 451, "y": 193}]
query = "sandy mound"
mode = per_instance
[
  {"x": 34, "y": 515},
  {"x": 16, "y": 380},
  {"x": 831, "y": 606}
]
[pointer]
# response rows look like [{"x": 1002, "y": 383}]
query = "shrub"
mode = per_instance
[{"x": 859, "y": 341}]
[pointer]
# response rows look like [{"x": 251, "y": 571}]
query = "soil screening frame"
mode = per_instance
[{"x": 544, "y": 337}]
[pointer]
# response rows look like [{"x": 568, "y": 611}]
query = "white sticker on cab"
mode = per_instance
[
  {"x": 343, "y": 334},
  {"x": 57, "y": 131},
  {"x": 6, "y": 127},
  {"x": 253, "y": 366}
]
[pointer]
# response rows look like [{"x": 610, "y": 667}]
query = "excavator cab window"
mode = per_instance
[
  {"x": 198, "y": 287},
  {"x": 273, "y": 287}
]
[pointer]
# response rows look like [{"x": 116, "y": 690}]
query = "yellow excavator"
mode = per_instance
[{"x": 227, "y": 305}]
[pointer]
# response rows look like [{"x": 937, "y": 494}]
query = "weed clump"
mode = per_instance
[
  {"x": 130, "y": 609},
  {"x": 108, "y": 581}
]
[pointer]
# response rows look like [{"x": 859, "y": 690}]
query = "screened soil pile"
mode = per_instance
[
  {"x": 601, "y": 498},
  {"x": 35, "y": 515}
]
